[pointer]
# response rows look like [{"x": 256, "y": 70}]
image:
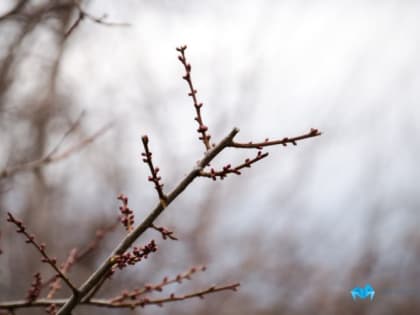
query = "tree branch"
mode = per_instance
[{"x": 96, "y": 277}]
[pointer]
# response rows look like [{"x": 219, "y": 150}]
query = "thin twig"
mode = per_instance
[
  {"x": 73, "y": 127},
  {"x": 65, "y": 267},
  {"x": 164, "y": 232},
  {"x": 202, "y": 128},
  {"x": 134, "y": 294},
  {"x": 30, "y": 239},
  {"x": 155, "y": 178},
  {"x": 228, "y": 169},
  {"x": 259, "y": 145}
]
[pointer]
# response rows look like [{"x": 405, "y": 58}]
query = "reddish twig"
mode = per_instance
[
  {"x": 173, "y": 298},
  {"x": 164, "y": 232},
  {"x": 202, "y": 128},
  {"x": 30, "y": 239},
  {"x": 259, "y": 145},
  {"x": 228, "y": 169},
  {"x": 155, "y": 178},
  {"x": 136, "y": 293},
  {"x": 65, "y": 267}
]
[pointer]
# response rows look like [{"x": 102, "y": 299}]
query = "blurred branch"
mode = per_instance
[
  {"x": 79, "y": 255},
  {"x": 64, "y": 268},
  {"x": 82, "y": 14},
  {"x": 19, "y": 5},
  {"x": 52, "y": 157}
]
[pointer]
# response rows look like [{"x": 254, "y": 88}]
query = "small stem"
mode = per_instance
[
  {"x": 259, "y": 145},
  {"x": 202, "y": 128}
]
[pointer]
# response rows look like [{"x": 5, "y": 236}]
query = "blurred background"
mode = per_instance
[{"x": 299, "y": 229}]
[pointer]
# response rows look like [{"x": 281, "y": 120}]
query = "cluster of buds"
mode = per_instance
[
  {"x": 127, "y": 216},
  {"x": 35, "y": 289},
  {"x": 135, "y": 256}
]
